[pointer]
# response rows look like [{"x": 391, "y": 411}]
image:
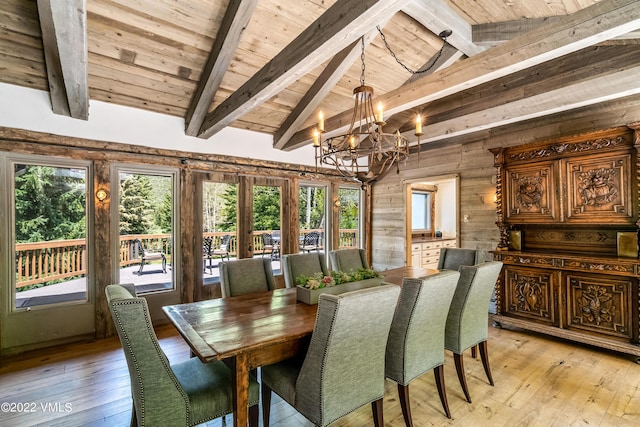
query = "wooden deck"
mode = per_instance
[{"x": 540, "y": 381}]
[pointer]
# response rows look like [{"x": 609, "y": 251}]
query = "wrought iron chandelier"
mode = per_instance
[{"x": 365, "y": 151}]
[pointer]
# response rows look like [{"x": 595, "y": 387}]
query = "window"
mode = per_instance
[
  {"x": 219, "y": 227},
  {"x": 349, "y": 223},
  {"x": 312, "y": 218},
  {"x": 422, "y": 211}
]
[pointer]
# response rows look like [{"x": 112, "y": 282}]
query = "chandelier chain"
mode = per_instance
[
  {"x": 424, "y": 70},
  {"x": 362, "y": 61}
]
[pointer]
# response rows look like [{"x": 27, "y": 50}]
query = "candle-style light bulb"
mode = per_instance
[
  {"x": 321, "y": 122},
  {"x": 418, "y": 125},
  {"x": 352, "y": 142},
  {"x": 380, "y": 115},
  {"x": 316, "y": 138}
]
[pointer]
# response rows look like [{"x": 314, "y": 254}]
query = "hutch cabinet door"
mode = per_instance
[
  {"x": 599, "y": 190},
  {"x": 530, "y": 293},
  {"x": 530, "y": 195},
  {"x": 600, "y": 304}
]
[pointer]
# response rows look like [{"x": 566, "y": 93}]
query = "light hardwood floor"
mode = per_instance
[{"x": 540, "y": 381}]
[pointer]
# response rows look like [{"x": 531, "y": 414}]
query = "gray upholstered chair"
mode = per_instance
[
  {"x": 348, "y": 260},
  {"x": 184, "y": 394},
  {"x": 468, "y": 319},
  {"x": 244, "y": 276},
  {"x": 453, "y": 258},
  {"x": 416, "y": 339},
  {"x": 343, "y": 368},
  {"x": 294, "y": 265}
]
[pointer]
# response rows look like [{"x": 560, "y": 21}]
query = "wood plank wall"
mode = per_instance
[{"x": 473, "y": 162}]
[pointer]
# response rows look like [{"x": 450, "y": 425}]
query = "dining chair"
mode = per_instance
[
  {"x": 244, "y": 276},
  {"x": 182, "y": 394},
  {"x": 468, "y": 318},
  {"x": 343, "y": 368},
  {"x": 295, "y": 265},
  {"x": 416, "y": 338},
  {"x": 348, "y": 260},
  {"x": 453, "y": 258}
]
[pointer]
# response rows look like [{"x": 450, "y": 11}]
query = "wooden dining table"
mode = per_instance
[{"x": 254, "y": 330}]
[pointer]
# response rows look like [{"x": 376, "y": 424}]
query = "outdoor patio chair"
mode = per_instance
[
  {"x": 310, "y": 242},
  {"x": 146, "y": 256},
  {"x": 269, "y": 244},
  {"x": 182, "y": 394}
]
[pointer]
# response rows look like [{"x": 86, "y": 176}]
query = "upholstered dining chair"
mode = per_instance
[
  {"x": 468, "y": 318},
  {"x": 183, "y": 394},
  {"x": 343, "y": 368},
  {"x": 244, "y": 276},
  {"x": 294, "y": 265},
  {"x": 453, "y": 258},
  {"x": 416, "y": 339},
  {"x": 348, "y": 259}
]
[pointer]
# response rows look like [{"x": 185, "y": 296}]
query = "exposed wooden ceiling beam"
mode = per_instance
[
  {"x": 492, "y": 34},
  {"x": 236, "y": 19},
  {"x": 603, "y": 88},
  {"x": 340, "y": 25},
  {"x": 64, "y": 38},
  {"x": 329, "y": 77},
  {"x": 602, "y": 21},
  {"x": 437, "y": 16}
]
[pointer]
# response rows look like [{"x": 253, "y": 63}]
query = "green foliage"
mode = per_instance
[
  {"x": 349, "y": 207},
  {"x": 219, "y": 206},
  {"x": 318, "y": 280},
  {"x": 229, "y": 210},
  {"x": 164, "y": 218},
  {"x": 50, "y": 203},
  {"x": 266, "y": 208},
  {"x": 136, "y": 209}
]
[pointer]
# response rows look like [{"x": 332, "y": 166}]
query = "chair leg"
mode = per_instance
[
  {"x": 164, "y": 264},
  {"x": 265, "y": 393},
  {"x": 378, "y": 416},
  {"x": 254, "y": 415},
  {"x": 457, "y": 358},
  {"x": 141, "y": 267},
  {"x": 134, "y": 417},
  {"x": 405, "y": 404},
  {"x": 474, "y": 351},
  {"x": 438, "y": 373},
  {"x": 484, "y": 355}
]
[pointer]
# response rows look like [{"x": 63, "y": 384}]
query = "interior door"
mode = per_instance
[{"x": 46, "y": 288}]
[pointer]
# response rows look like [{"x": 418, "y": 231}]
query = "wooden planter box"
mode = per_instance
[{"x": 310, "y": 296}]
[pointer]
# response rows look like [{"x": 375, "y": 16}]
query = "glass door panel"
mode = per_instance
[
  {"x": 267, "y": 223},
  {"x": 349, "y": 218},
  {"x": 312, "y": 218},
  {"x": 219, "y": 232}
]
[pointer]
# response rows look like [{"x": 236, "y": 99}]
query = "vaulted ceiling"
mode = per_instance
[{"x": 271, "y": 66}]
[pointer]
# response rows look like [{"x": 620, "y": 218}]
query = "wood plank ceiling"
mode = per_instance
[{"x": 271, "y": 66}]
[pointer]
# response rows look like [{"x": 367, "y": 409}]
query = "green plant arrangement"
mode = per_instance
[{"x": 319, "y": 281}]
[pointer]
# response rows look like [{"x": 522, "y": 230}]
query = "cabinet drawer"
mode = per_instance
[
  {"x": 432, "y": 253},
  {"x": 448, "y": 243},
  {"x": 431, "y": 245},
  {"x": 416, "y": 247}
]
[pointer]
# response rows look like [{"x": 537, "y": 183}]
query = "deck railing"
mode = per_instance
[{"x": 42, "y": 262}]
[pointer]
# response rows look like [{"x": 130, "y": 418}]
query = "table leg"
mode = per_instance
[{"x": 240, "y": 383}]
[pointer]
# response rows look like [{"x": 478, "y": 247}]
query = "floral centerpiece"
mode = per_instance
[{"x": 310, "y": 287}]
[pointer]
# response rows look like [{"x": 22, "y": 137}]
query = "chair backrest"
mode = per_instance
[
  {"x": 207, "y": 246},
  {"x": 311, "y": 238},
  {"x": 224, "y": 242},
  {"x": 267, "y": 239},
  {"x": 348, "y": 260},
  {"x": 467, "y": 322},
  {"x": 453, "y": 258},
  {"x": 138, "y": 248},
  {"x": 294, "y": 265},
  {"x": 157, "y": 395},
  {"x": 244, "y": 276},
  {"x": 416, "y": 338},
  {"x": 344, "y": 365}
]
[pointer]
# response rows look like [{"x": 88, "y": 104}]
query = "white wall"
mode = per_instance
[
  {"x": 30, "y": 109},
  {"x": 446, "y": 208}
]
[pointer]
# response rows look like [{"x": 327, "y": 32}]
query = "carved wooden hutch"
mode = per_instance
[{"x": 568, "y": 219}]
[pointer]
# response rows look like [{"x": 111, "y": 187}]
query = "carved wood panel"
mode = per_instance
[
  {"x": 530, "y": 194},
  {"x": 530, "y": 293},
  {"x": 600, "y": 304},
  {"x": 598, "y": 189}
]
